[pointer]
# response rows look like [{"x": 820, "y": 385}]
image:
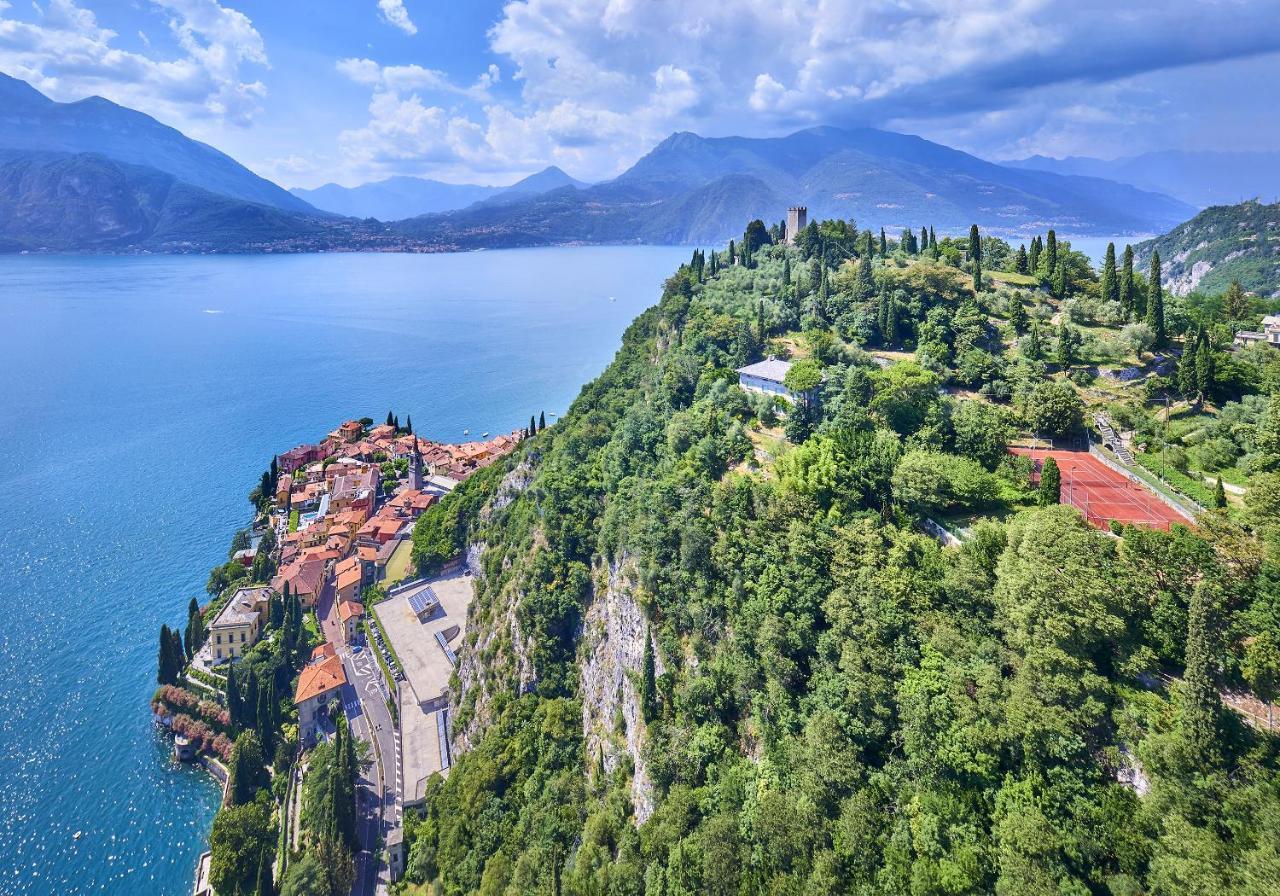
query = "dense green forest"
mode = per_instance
[{"x": 827, "y": 699}]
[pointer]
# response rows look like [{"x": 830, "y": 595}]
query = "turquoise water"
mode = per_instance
[{"x": 141, "y": 398}]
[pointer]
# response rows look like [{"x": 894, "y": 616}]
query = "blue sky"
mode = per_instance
[{"x": 485, "y": 91}]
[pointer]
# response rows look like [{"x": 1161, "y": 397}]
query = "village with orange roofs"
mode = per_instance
[{"x": 327, "y": 574}]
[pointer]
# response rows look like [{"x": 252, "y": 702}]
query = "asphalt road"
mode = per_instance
[{"x": 370, "y": 720}]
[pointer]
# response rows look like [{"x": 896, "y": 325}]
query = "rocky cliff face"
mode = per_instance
[
  {"x": 1221, "y": 244},
  {"x": 495, "y": 653},
  {"x": 611, "y": 654}
]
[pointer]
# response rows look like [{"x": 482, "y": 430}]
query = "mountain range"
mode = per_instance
[
  {"x": 92, "y": 175},
  {"x": 396, "y": 198},
  {"x": 31, "y": 121},
  {"x": 1199, "y": 178},
  {"x": 692, "y": 189}
]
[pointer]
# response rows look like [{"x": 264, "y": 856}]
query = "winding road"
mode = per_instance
[{"x": 378, "y": 804}]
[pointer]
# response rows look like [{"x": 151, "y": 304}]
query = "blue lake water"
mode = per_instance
[{"x": 141, "y": 399}]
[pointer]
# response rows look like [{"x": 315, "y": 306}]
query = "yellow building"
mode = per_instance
[{"x": 238, "y": 625}]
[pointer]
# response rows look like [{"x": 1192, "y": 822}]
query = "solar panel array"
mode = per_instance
[
  {"x": 448, "y": 651},
  {"x": 423, "y": 601}
]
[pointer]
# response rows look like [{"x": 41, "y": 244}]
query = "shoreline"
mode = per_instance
[{"x": 362, "y": 490}]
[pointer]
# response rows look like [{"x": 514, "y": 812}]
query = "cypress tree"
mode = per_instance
[
  {"x": 1050, "y": 482},
  {"x": 235, "y": 708},
  {"x": 760, "y": 327},
  {"x": 1127, "y": 297},
  {"x": 408, "y": 424},
  {"x": 1033, "y": 257},
  {"x": 1018, "y": 316},
  {"x": 1020, "y": 260},
  {"x": 975, "y": 252},
  {"x": 396, "y": 422},
  {"x": 1204, "y": 369},
  {"x": 266, "y": 883},
  {"x": 1219, "y": 494},
  {"x": 866, "y": 282},
  {"x": 533, "y": 425},
  {"x": 1110, "y": 285},
  {"x": 1051, "y": 251},
  {"x": 542, "y": 419},
  {"x": 1186, "y": 374},
  {"x": 1155, "y": 301},
  {"x": 1066, "y": 346},
  {"x": 391, "y": 420},
  {"x": 266, "y": 716},
  {"x": 884, "y": 244},
  {"x": 247, "y": 769},
  {"x": 786, "y": 271},
  {"x": 648, "y": 681},
  {"x": 1035, "y": 347},
  {"x": 249, "y": 701},
  {"x": 179, "y": 656},
  {"x": 1200, "y": 706},
  {"x": 1060, "y": 285},
  {"x": 923, "y": 245},
  {"x": 933, "y": 239},
  {"x": 732, "y": 252},
  {"x": 165, "y": 673}
]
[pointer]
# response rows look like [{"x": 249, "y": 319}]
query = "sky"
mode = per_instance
[{"x": 482, "y": 91}]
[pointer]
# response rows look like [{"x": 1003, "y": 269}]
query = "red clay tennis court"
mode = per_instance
[{"x": 1101, "y": 493}]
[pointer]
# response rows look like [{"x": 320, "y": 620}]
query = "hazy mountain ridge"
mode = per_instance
[
  {"x": 85, "y": 201},
  {"x": 876, "y": 177},
  {"x": 31, "y": 121},
  {"x": 397, "y": 198},
  {"x": 1222, "y": 243},
  {"x": 687, "y": 189},
  {"x": 1200, "y": 178}
]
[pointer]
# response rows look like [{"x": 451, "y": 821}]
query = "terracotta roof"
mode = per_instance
[
  {"x": 320, "y": 678},
  {"x": 303, "y": 576},
  {"x": 325, "y": 649},
  {"x": 348, "y": 609},
  {"x": 349, "y": 572}
]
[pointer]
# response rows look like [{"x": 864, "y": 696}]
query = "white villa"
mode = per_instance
[
  {"x": 1270, "y": 333},
  {"x": 766, "y": 376}
]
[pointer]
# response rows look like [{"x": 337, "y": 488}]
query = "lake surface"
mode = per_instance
[
  {"x": 142, "y": 398},
  {"x": 1096, "y": 246}
]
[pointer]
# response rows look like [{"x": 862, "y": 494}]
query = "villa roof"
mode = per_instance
[
  {"x": 242, "y": 609},
  {"x": 348, "y": 609},
  {"x": 320, "y": 678},
  {"x": 772, "y": 369}
]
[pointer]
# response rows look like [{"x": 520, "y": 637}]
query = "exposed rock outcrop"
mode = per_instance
[{"x": 611, "y": 657}]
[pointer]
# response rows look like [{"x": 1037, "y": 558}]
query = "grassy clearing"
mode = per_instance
[
  {"x": 400, "y": 566},
  {"x": 1012, "y": 279}
]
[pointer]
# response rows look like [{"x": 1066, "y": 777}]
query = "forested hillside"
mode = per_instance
[
  {"x": 1221, "y": 244},
  {"x": 712, "y": 652}
]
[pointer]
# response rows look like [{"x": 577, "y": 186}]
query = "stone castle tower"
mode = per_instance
[{"x": 797, "y": 219}]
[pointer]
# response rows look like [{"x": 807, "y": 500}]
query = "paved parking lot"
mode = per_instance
[
  {"x": 425, "y": 664},
  {"x": 427, "y": 670}
]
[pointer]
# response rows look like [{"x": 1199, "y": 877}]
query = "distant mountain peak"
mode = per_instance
[{"x": 95, "y": 125}]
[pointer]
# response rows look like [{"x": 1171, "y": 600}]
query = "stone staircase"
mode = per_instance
[{"x": 1111, "y": 439}]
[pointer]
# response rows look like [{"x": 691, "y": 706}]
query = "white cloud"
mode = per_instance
[
  {"x": 394, "y": 13},
  {"x": 600, "y": 81},
  {"x": 65, "y": 53}
]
